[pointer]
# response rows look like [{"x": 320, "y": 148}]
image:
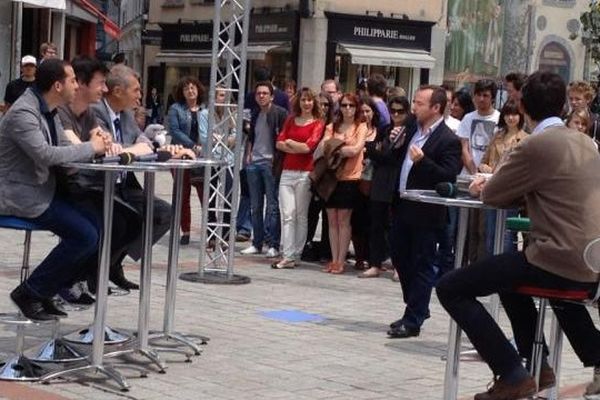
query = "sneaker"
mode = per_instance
[
  {"x": 501, "y": 390},
  {"x": 592, "y": 391},
  {"x": 284, "y": 264},
  {"x": 272, "y": 253},
  {"x": 250, "y": 250}
]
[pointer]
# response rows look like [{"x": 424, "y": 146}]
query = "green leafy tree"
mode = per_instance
[{"x": 590, "y": 21}]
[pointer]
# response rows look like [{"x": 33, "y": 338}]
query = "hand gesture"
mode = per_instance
[
  {"x": 415, "y": 153},
  {"x": 476, "y": 186}
]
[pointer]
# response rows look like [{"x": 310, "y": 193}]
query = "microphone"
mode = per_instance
[
  {"x": 159, "y": 156},
  {"x": 122, "y": 159},
  {"x": 446, "y": 189}
]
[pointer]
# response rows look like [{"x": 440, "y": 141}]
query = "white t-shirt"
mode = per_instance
[
  {"x": 479, "y": 130},
  {"x": 452, "y": 123}
]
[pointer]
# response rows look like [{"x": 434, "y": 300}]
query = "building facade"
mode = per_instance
[{"x": 305, "y": 41}]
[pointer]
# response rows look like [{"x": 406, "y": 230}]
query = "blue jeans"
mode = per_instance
[
  {"x": 262, "y": 183},
  {"x": 510, "y": 237},
  {"x": 244, "y": 216},
  {"x": 79, "y": 230}
]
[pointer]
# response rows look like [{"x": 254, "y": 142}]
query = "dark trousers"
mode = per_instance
[
  {"x": 413, "y": 250},
  {"x": 446, "y": 236},
  {"x": 316, "y": 207},
  {"x": 360, "y": 221},
  {"x": 379, "y": 213},
  {"x": 458, "y": 291},
  {"x": 79, "y": 231},
  {"x": 186, "y": 208}
]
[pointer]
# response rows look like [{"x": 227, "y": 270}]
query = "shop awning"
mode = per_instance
[
  {"x": 258, "y": 51},
  {"x": 111, "y": 28},
  {"x": 56, "y": 4},
  {"x": 203, "y": 58},
  {"x": 390, "y": 57}
]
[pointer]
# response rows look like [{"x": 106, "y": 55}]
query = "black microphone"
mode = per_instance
[
  {"x": 159, "y": 156},
  {"x": 122, "y": 159},
  {"x": 446, "y": 189}
]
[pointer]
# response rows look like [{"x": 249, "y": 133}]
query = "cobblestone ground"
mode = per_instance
[{"x": 343, "y": 354}]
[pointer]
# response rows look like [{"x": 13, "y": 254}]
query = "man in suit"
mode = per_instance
[
  {"x": 562, "y": 202},
  {"x": 431, "y": 154},
  {"x": 114, "y": 114},
  {"x": 30, "y": 148}
]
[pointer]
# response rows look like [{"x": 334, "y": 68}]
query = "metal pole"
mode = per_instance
[
  {"x": 17, "y": 28},
  {"x": 494, "y": 304}
]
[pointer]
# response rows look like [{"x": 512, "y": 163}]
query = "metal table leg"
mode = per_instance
[
  {"x": 96, "y": 359},
  {"x": 452, "y": 360},
  {"x": 173, "y": 260}
]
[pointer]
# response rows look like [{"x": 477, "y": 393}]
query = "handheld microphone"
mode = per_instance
[
  {"x": 159, "y": 156},
  {"x": 446, "y": 189},
  {"x": 122, "y": 159}
]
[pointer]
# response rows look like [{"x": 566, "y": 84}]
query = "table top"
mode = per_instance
[
  {"x": 431, "y": 197},
  {"x": 149, "y": 166}
]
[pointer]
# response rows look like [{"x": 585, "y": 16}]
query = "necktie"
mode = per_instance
[{"x": 119, "y": 139}]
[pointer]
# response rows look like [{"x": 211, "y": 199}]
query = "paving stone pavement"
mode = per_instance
[{"x": 345, "y": 356}]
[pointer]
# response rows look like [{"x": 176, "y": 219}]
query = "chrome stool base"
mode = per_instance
[
  {"x": 179, "y": 339},
  {"x": 86, "y": 336},
  {"x": 109, "y": 371},
  {"x": 20, "y": 368},
  {"x": 56, "y": 351}
]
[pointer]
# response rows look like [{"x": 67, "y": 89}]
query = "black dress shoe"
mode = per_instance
[
  {"x": 402, "y": 331},
  {"x": 117, "y": 276},
  {"x": 185, "y": 240},
  {"x": 30, "y": 306},
  {"x": 396, "y": 323},
  {"x": 51, "y": 308}
]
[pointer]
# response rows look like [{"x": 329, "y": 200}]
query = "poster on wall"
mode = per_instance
[{"x": 474, "y": 43}]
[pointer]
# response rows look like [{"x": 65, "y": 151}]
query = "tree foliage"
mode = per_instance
[{"x": 590, "y": 21}]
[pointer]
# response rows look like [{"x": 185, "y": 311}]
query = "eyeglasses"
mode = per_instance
[
  {"x": 397, "y": 111},
  {"x": 347, "y": 105}
]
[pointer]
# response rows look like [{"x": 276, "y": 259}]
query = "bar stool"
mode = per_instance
[
  {"x": 591, "y": 256},
  {"x": 20, "y": 367}
]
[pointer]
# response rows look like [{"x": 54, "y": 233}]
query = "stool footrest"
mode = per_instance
[{"x": 555, "y": 294}]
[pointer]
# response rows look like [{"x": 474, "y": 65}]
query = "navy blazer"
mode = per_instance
[{"x": 442, "y": 163}]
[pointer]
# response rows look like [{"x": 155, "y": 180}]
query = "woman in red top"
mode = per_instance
[{"x": 298, "y": 139}]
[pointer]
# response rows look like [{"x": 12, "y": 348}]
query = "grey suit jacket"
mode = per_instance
[
  {"x": 27, "y": 183},
  {"x": 129, "y": 130}
]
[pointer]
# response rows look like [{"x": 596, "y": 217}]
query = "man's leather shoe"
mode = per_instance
[
  {"x": 402, "y": 331},
  {"x": 30, "y": 306},
  {"x": 117, "y": 276},
  {"x": 501, "y": 390},
  {"x": 396, "y": 323},
  {"x": 51, "y": 308}
]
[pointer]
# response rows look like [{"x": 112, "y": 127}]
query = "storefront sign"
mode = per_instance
[
  {"x": 273, "y": 27},
  {"x": 189, "y": 36},
  {"x": 384, "y": 32},
  {"x": 151, "y": 37}
]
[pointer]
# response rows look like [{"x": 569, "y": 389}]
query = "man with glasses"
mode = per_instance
[
  {"x": 16, "y": 88},
  {"x": 263, "y": 168}
]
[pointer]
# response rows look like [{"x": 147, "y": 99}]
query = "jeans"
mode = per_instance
[
  {"x": 294, "y": 199},
  {"x": 262, "y": 183},
  {"x": 413, "y": 250},
  {"x": 79, "y": 230},
  {"x": 510, "y": 237},
  {"x": 446, "y": 238},
  {"x": 458, "y": 291},
  {"x": 244, "y": 216}
]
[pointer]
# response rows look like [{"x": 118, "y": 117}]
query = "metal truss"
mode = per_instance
[{"x": 222, "y": 183}]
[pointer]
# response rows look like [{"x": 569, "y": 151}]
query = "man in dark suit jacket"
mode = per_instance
[
  {"x": 431, "y": 154},
  {"x": 114, "y": 114}
]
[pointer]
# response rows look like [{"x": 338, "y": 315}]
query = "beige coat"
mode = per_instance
[{"x": 557, "y": 173}]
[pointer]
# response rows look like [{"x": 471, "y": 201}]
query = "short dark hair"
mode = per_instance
[
  {"x": 262, "y": 73},
  {"x": 185, "y": 81},
  {"x": 376, "y": 85},
  {"x": 543, "y": 95},
  {"x": 516, "y": 78},
  {"x": 85, "y": 67},
  {"x": 329, "y": 115},
  {"x": 510, "y": 108},
  {"x": 438, "y": 96},
  {"x": 265, "y": 83},
  {"x": 484, "y": 85},
  {"x": 49, "y": 72}
]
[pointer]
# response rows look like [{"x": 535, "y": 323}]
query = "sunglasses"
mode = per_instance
[
  {"x": 397, "y": 111},
  {"x": 347, "y": 105}
]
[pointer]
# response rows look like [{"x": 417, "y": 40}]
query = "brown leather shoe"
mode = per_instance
[
  {"x": 547, "y": 378},
  {"x": 500, "y": 390}
]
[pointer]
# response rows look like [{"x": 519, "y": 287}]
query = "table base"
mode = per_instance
[
  {"x": 215, "y": 277},
  {"x": 86, "y": 336},
  {"x": 107, "y": 370},
  {"x": 55, "y": 351},
  {"x": 21, "y": 368}
]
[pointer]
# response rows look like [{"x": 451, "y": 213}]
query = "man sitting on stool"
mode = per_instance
[
  {"x": 555, "y": 171},
  {"x": 30, "y": 148}
]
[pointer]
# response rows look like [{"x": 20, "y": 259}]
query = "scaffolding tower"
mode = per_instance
[{"x": 226, "y": 121}]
